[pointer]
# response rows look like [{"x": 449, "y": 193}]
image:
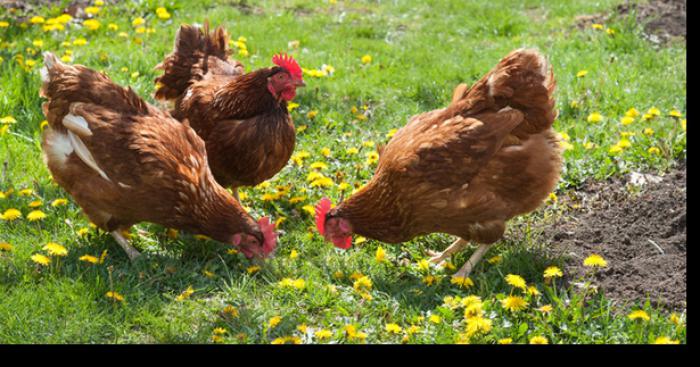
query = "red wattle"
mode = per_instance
[{"x": 322, "y": 209}]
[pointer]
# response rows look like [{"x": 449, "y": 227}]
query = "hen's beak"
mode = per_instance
[{"x": 299, "y": 83}]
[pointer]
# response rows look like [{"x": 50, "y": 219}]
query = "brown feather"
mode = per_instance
[
  {"x": 157, "y": 166},
  {"x": 468, "y": 168}
]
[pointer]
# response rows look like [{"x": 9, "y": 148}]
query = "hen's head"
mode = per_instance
[
  {"x": 332, "y": 227},
  {"x": 285, "y": 78},
  {"x": 258, "y": 241}
]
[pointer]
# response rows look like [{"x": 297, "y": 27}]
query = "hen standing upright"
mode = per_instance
[
  {"x": 242, "y": 118},
  {"x": 125, "y": 161},
  {"x": 463, "y": 170}
]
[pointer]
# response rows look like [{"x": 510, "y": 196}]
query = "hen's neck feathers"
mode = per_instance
[
  {"x": 374, "y": 212},
  {"x": 247, "y": 96}
]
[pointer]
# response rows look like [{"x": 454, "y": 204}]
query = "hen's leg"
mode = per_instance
[
  {"x": 235, "y": 194},
  {"x": 467, "y": 268},
  {"x": 454, "y": 247},
  {"x": 130, "y": 250}
]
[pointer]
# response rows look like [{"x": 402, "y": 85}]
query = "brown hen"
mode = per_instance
[
  {"x": 242, "y": 118},
  {"x": 125, "y": 161},
  {"x": 463, "y": 170}
]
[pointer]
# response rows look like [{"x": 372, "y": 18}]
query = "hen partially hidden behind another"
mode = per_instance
[
  {"x": 242, "y": 118},
  {"x": 463, "y": 170},
  {"x": 125, "y": 161}
]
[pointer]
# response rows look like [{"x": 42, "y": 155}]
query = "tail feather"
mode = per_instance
[
  {"x": 64, "y": 85},
  {"x": 522, "y": 80},
  {"x": 196, "y": 50}
]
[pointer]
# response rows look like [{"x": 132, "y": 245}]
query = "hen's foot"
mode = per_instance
[
  {"x": 467, "y": 268},
  {"x": 131, "y": 252}
]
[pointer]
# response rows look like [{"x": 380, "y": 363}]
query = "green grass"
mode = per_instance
[{"x": 420, "y": 51}]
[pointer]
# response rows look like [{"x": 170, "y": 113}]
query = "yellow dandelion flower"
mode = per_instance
[
  {"x": 162, "y": 13},
  {"x": 626, "y": 120},
  {"x": 323, "y": 334},
  {"x": 35, "y": 204},
  {"x": 115, "y": 296},
  {"x": 138, "y": 21},
  {"x": 533, "y": 291},
  {"x": 311, "y": 114},
  {"x": 380, "y": 254},
  {"x": 476, "y": 325},
  {"x": 252, "y": 269},
  {"x": 112, "y": 27},
  {"x": 581, "y": 73},
  {"x": 463, "y": 282},
  {"x": 64, "y": 18},
  {"x": 352, "y": 151},
  {"x": 185, "y": 294},
  {"x": 274, "y": 321},
  {"x": 309, "y": 209},
  {"x": 495, "y": 260},
  {"x": 89, "y": 259},
  {"x": 615, "y": 149},
  {"x": 553, "y": 272},
  {"x": 639, "y": 315},
  {"x": 516, "y": 281},
  {"x": 372, "y": 158},
  {"x": 545, "y": 308},
  {"x": 230, "y": 311},
  {"x": 37, "y": 19},
  {"x": 539, "y": 340},
  {"x": 597, "y": 26},
  {"x": 595, "y": 117},
  {"x": 41, "y": 259},
  {"x": 654, "y": 111},
  {"x": 91, "y": 10},
  {"x": 514, "y": 303},
  {"x": 654, "y": 150},
  {"x": 675, "y": 319},
  {"x": 366, "y": 59},
  {"x": 92, "y": 24},
  {"x": 675, "y": 113},
  {"x": 429, "y": 280},
  {"x": 319, "y": 165},
  {"x": 391, "y": 133},
  {"x": 4, "y": 246},
  {"x": 665, "y": 340},
  {"x": 505, "y": 341},
  {"x": 648, "y": 131},
  {"x": 632, "y": 112},
  {"x": 683, "y": 123},
  {"x": 393, "y": 328},
  {"x": 610, "y": 31},
  {"x": 363, "y": 283},
  {"x": 59, "y": 202},
  {"x": 4, "y": 24},
  {"x": 473, "y": 310},
  {"x": 435, "y": 319},
  {"x": 55, "y": 249},
  {"x": 293, "y": 254},
  {"x": 595, "y": 260},
  {"x": 25, "y": 192}
]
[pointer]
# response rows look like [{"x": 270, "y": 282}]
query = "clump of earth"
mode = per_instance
[
  {"x": 638, "y": 224},
  {"x": 663, "y": 20}
]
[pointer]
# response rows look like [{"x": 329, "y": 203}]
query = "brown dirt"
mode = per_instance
[
  {"x": 663, "y": 20},
  {"x": 621, "y": 226}
]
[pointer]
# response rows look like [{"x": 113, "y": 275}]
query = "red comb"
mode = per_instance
[
  {"x": 321, "y": 210},
  {"x": 268, "y": 230},
  {"x": 287, "y": 62}
]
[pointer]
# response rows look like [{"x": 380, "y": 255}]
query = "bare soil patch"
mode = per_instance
[
  {"x": 642, "y": 235},
  {"x": 663, "y": 20}
]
